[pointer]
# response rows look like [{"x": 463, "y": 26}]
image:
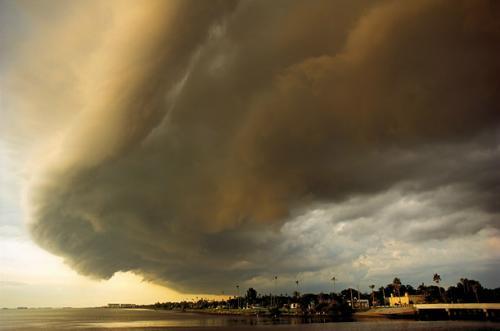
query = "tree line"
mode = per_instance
[{"x": 465, "y": 291}]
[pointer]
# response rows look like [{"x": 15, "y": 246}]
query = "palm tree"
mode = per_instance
[
  {"x": 465, "y": 283},
  {"x": 297, "y": 283},
  {"x": 396, "y": 283},
  {"x": 437, "y": 279},
  {"x": 422, "y": 289},
  {"x": 475, "y": 287},
  {"x": 333, "y": 280},
  {"x": 373, "y": 293}
]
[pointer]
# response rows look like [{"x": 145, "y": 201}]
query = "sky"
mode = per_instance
[{"x": 169, "y": 150}]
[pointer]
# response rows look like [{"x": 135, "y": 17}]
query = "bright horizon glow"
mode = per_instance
[{"x": 32, "y": 277}]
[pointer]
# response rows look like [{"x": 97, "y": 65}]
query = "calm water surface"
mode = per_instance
[{"x": 86, "y": 319}]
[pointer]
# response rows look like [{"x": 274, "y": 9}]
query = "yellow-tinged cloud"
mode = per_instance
[{"x": 204, "y": 128}]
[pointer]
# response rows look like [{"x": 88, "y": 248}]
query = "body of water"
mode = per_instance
[{"x": 138, "y": 319}]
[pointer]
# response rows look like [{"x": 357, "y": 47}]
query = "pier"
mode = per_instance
[{"x": 458, "y": 311}]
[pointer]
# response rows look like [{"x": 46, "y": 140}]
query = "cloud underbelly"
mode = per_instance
[{"x": 205, "y": 161}]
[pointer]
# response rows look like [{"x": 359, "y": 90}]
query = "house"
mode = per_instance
[
  {"x": 405, "y": 300},
  {"x": 359, "y": 304}
]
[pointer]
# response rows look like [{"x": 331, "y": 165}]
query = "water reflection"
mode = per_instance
[{"x": 137, "y": 320}]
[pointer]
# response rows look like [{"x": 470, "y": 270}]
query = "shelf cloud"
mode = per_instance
[{"x": 212, "y": 143}]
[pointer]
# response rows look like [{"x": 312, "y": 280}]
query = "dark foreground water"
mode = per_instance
[{"x": 86, "y": 319}]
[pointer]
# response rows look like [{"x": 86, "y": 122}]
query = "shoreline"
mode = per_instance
[{"x": 407, "y": 313}]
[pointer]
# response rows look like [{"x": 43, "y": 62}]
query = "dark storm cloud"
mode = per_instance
[{"x": 229, "y": 121}]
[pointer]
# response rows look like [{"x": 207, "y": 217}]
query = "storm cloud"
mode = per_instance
[{"x": 222, "y": 142}]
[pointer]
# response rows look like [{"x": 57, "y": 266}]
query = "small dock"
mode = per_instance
[{"x": 458, "y": 311}]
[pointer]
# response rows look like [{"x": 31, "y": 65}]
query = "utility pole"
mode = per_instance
[
  {"x": 372, "y": 286},
  {"x": 276, "y": 290},
  {"x": 271, "y": 295},
  {"x": 238, "y": 289},
  {"x": 383, "y": 293},
  {"x": 352, "y": 300}
]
